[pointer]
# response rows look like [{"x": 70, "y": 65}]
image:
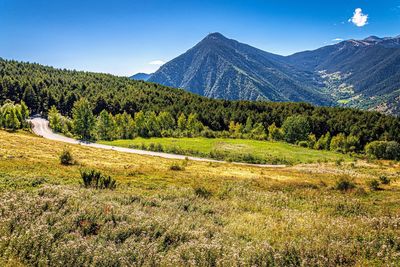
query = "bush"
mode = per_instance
[
  {"x": 303, "y": 143},
  {"x": 312, "y": 139},
  {"x": 339, "y": 162},
  {"x": 202, "y": 192},
  {"x": 352, "y": 143},
  {"x": 158, "y": 148},
  {"x": 176, "y": 167},
  {"x": 383, "y": 150},
  {"x": 143, "y": 146},
  {"x": 324, "y": 142},
  {"x": 95, "y": 179},
  {"x": 343, "y": 184},
  {"x": 392, "y": 150},
  {"x": 338, "y": 143},
  {"x": 275, "y": 133},
  {"x": 384, "y": 179},
  {"x": 373, "y": 185},
  {"x": 341, "y": 143},
  {"x": 66, "y": 157}
]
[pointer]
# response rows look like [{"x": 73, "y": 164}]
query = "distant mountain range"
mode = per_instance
[{"x": 356, "y": 73}]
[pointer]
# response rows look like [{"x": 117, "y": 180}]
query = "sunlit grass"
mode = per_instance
[{"x": 205, "y": 214}]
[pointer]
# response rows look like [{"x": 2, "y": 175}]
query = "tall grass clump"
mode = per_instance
[
  {"x": 373, "y": 185},
  {"x": 344, "y": 184},
  {"x": 202, "y": 192},
  {"x": 384, "y": 180},
  {"x": 66, "y": 157},
  {"x": 95, "y": 179}
]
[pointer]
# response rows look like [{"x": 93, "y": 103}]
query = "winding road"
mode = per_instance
[{"x": 41, "y": 127}]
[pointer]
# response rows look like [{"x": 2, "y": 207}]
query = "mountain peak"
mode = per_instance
[
  {"x": 224, "y": 68},
  {"x": 215, "y": 35},
  {"x": 213, "y": 39},
  {"x": 373, "y": 38}
]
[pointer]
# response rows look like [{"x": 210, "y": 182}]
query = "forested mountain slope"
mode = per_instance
[
  {"x": 356, "y": 73},
  {"x": 41, "y": 87},
  {"x": 219, "y": 67},
  {"x": 369, "y": 69}
]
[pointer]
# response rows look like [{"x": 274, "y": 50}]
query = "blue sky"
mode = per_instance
[{"x": 123, "y": 37}]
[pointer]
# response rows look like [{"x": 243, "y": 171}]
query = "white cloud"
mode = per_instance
[
  {"x": 337, "y": 40},
  {"x": 359, "y": 18},
  {"x": 157, "y": 62}
]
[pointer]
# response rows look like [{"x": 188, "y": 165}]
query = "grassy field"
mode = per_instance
[
  {"x": 231, "y": 149},
  {"x": 206, "y": 214}
]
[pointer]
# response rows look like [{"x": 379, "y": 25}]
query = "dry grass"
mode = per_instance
[{"x": 206, "y": 214}]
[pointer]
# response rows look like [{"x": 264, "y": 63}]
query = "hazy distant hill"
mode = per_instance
[{"x": 141, "y": 76}]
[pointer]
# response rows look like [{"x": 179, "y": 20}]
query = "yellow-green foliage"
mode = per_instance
[{"x": 207, "y": 214}]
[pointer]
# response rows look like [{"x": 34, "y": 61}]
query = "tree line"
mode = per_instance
[
  {"x": 42, "y": 87},
  {"x": 105, "y": 126},
  {"x": 295, "y": 129}
]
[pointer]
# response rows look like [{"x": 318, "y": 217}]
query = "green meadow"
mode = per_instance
[{"x": 263, "y": 151}]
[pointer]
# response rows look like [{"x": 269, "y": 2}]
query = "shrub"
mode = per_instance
[
  {"x": 343, "y": 184},
  {"x": 87, "y": 225},
  {"x": 203, "y": 192},
  {"x": 95, "y": 179},
  {"x": 158, "y": 147},
  {"x": 324, "y": 142},
  {"x": 373, "y": 185},
  {"x": 339, "y": 162},
  {"x": 338, "y": 143},
  {"x": 384, "y": 179},
  {"x": 312, "y": 139},
  {"x": 392, "y": 150},
  {"x": 383, "y": 150},
  {"x": 275, "y": 133},
  {"x": 352, "y": 143},
  {"x": 176, "y": 167},
  {"x": 143, "y": 146},
  {"x": 303, "y": 143},
  {"x": 66, "y": 157}
]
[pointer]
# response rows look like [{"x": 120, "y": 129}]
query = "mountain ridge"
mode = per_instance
[
  {"x": 366, "y": 73},
  {"x": 219, "y": 67}
]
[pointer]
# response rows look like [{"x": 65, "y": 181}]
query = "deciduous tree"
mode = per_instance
[{"x": 83, "y": 119}]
